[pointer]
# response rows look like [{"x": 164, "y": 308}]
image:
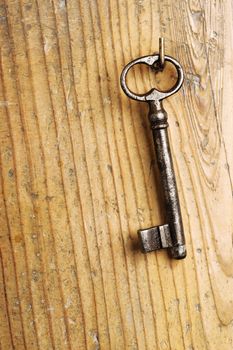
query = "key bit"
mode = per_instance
[
  {"x": 155, "y": 238},
  {"x": 170, "y": 235}
]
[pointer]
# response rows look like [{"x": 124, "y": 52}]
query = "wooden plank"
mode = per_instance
[{"x": 78, "y": 176}]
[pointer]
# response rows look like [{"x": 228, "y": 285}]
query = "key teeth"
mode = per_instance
[
  {"x": 149, "y": 239},
  {"x": 155, "y": 238}
]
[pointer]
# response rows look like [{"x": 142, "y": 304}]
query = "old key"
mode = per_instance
[{"x": 170, "y": 235}]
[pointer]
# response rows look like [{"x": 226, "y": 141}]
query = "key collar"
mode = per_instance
[{"x": 153, "y": 94}]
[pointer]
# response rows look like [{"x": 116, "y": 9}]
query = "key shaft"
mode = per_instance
[{"x": 159, "y": 125}]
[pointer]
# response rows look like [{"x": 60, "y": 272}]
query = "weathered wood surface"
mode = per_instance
[{"x": 77, "y": 177}]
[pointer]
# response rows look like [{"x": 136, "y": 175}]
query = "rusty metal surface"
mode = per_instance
[{"x": 170, "y": 235}]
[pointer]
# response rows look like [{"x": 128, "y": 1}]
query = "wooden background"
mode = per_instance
[{"x": 78, "y": 176}]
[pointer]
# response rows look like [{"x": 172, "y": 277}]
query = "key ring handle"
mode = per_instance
[{"x": 153, "y": 94}]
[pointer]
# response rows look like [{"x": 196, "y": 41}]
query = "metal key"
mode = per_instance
[{"x": 170, "y": 235}]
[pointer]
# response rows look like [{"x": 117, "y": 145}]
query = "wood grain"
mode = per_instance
[{"x": 78, "y": 176}]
